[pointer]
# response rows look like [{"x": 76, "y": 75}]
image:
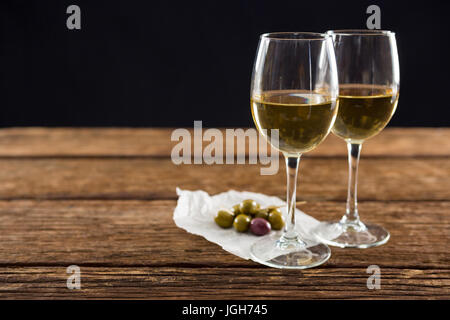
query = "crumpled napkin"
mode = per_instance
[{"x": 195, "y": 212}]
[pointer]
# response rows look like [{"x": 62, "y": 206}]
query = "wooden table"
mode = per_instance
[{"x": 103, "y": 199}]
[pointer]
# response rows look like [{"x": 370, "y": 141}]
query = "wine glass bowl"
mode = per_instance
[
  {"x": 364, "y": 110},
  {"x": 294, "y": 100},
  {"x": 302, "y": 118}
]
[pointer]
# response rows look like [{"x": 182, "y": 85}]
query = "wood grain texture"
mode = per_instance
[
  {"x": 103, "y": 199},
  {"x": 142, "y": 233},
  {"x": 157, "y": 178},
  {"x": 222, "y": 283},
  {"x": 48, "y": 142}
]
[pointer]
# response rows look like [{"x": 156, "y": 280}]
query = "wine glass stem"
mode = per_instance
[
  {"x": 292, "y": 163},
  {"x": 351, "y": 216}
]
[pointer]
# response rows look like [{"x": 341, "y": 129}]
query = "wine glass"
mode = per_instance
[
  {"x": 294, "y": 105},
  {"x": 369, "y": 83}
]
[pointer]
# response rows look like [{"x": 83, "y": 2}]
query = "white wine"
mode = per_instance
[
  {"x": 303, "y": 119},
  {"x": 364, "y": 110}
]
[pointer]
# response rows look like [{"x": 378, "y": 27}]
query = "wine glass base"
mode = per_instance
[
  {"x": 296, "y": 254},
  {"x": 347, "y": 235}
]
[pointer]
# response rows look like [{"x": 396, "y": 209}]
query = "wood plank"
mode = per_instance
[
  {"x": 131, "y": 248},
  {"x": 142, "y": 233},
  {"x": 48, "y": 142},
  {"x": 157, "y": 178},
  {"x": 223, "y": 283}
]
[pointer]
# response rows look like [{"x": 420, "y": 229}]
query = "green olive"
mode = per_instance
[
  {"x": 262, "y": 213},
  {"x": 275, "y": 209},
  {"x": 242, "y": 222},
  {"x": 276, "y": 220},
  {"x": 224, "y": 218},
  {"x": 249, "y": 207},
  {"x": 236, "y": 209}
]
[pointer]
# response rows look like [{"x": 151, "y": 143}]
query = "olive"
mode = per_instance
[
  {"x": 224, "y": 218},
  {"x": 249, "y": 207},
  {"x": 236, "y": 209},
  {"x": 276, "y": 220},
  {"x": 242, "y": 222},
  {"x": 262, "y": 213},
  {"x": 274, "y": 209},
  {"x": 260, "y": 226}
]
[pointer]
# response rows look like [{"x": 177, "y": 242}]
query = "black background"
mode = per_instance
[
  {"x": 168, "y": 63},
  {"x": 172, "y": 309}
]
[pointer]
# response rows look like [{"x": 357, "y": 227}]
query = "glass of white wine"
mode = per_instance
[
  {"x": 294, "y": 96},
  {"x": 369, "y": 84}
]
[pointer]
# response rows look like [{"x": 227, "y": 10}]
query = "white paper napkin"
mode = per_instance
[{"x": 196, "y": 210}]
